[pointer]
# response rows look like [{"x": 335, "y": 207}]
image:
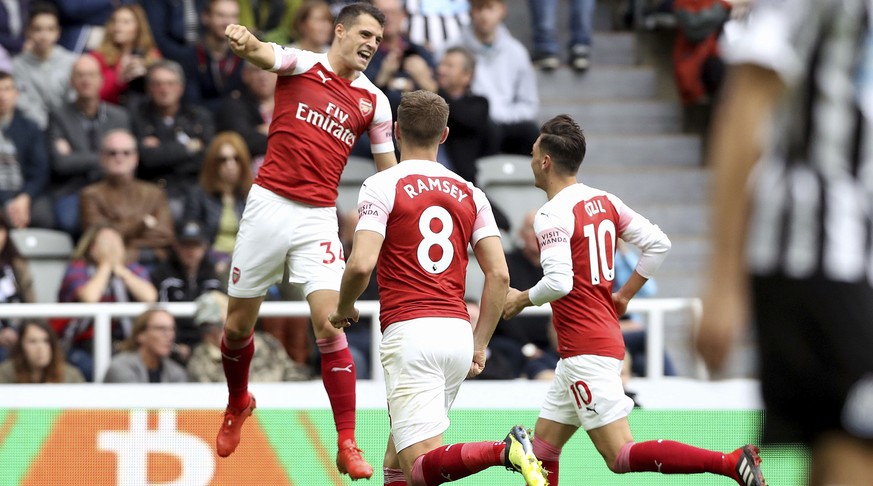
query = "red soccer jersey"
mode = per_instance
[
  {"x": 317, "y": 119},
  {"x": 577, "y": 232},
  {"x": 428, "y": 215}
]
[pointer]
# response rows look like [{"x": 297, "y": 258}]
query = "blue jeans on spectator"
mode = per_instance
[
  {"x": 359, "y": 338},
  {"x": 635, "y": 343},
  {"x": 83, "y": 360},
  {"x": 544, "y": 20},
  {"x": 67, "y": 214}
]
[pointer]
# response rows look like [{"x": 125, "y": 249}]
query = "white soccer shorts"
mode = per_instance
[
  {"x": 275, "y": 233},
  {"x": 425, "y": 361},
  {"x": 587, "y": 392}
]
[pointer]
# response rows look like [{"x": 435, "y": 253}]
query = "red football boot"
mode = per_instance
[
  {"x": 229, "y": 434},
  {"x": 350, "y": 461}
]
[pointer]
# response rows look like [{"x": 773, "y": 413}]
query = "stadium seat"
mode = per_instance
[
  {"x": 355, "y": 173},
  {"x": 475, "y": 280},
  {"x": 508, "y": 182},
  {"x": 48, "y": 252}
]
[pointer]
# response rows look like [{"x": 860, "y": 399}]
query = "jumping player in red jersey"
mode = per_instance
[
  {"x": 577, "y": 230},
  {"x": 322, "y": 105},
  {"x": 416, "y": 220}
]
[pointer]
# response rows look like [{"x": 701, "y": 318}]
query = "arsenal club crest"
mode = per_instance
[
  {"x": 366, "y": 106},
  {"x": 234, "y": 275}
]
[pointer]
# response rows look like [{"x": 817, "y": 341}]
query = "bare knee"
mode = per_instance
[{"x": 241, "y": 317}]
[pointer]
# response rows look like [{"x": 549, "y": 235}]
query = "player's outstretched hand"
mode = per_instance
[
  {"x": 239, "y": 38},
  {"x": 725, "y": 314},
  {"x": 342, "y": 320},
  {"x": 515, "y": 303},
  {"x": 478, "y": 365}
]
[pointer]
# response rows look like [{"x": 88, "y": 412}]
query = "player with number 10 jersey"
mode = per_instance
[{"x": 577, "y": 232}]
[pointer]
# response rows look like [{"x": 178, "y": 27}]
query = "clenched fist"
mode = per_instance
[{"x": 240, "y": 40}]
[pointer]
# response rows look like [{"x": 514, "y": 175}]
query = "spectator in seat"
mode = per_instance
[
  {"x": 99, "y": 272},
  {"x": 42, "y": 69},
  {"x": 313, "y": 26},
  {"x": 145, "y": 355},
  {"x": 211, "y": 68},
  {"x": 24, "y": 163},
  {"x": 125, "y": 53},
  {"x": 270, "y": 362},
  {"x": 697, "y": 65},
  {"x": 38, "y": 358},
  {"x": 525, "y": 340},
  {"x": 250, "y": 111},
  {"x": 186, "y": 275},
  {"x": 217, "y": 202},
  {"x": 175, "y": 26},
  {"x": 16, "y": 286},
  {"x": 137, "y": 209},
  {"x": 172, "y": 135},
  {"x": 469, "y": 123},
  {"x": 74, "y": 134},
  {"x": 504, "y": 75},
  {"x": 399, "y": 65},
  {"x": 83, "y": 23}
]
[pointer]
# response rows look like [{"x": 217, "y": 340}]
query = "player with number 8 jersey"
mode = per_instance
[
  {"x": 417, "y": 194},
  {"x": 416, "y": 221},
  {"x": 577, "y": 230}
]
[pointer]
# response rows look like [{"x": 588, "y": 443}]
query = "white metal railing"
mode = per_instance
[{"x": 103, "y": 313}]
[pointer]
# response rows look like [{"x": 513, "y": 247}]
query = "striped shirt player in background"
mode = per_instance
[
  {"x": 798, "y": 103},
  {"x": 577, "y": 231},
  {"x": 323, "y": 104},
  {"x": 416, "y": 221}
]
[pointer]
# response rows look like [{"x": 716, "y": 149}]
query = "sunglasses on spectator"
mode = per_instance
[
  {"x": 225, "y": 158},
  {"x": 116, "y": 153}
]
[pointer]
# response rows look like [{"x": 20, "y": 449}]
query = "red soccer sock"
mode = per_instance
[
  {"x": 550, "y": 456},
  {"x": 339, "y": 377},
  {"x": 393, "y": 477},
  {"x": 670, "y": 457},
  {"x": 236, "y": 356},
  {"x": 456, "y": 461}
]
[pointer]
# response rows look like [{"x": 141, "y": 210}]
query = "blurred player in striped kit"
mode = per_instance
[{"x": 794, "y": 128}]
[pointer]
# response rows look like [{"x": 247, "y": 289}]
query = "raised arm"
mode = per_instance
[{"x": 245, "y": 45}]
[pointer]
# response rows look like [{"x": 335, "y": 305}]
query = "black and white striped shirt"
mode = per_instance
[{"x": 813, "y": 190}]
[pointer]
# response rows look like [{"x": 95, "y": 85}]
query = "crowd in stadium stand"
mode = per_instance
[{"x": 133, "y": 128}]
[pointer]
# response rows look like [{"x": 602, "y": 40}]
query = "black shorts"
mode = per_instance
[{"x": 816, "y": 353}]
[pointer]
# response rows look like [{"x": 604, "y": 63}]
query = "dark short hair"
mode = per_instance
[
  {"x": 469, "y": 58},
  {"x": 483, "y": 3},
  {"x": 350, "y": 13},
  {"x": 562, "y": 138},
  {"x": 168, "y": 65},
  {"x": 43, "y": 8},
  {"x": 422, "y": 117}
]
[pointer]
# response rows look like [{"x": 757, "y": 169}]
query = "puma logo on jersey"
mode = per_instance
[
  {"x": 231, "y": 358},
  {"x": 592, "y": 408},
  {"x": 347, "y": 369},
  {"x": 659, "y": 464},
  {"x": 447, "y": 477},
  {"x": 324, "y": 79}
]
